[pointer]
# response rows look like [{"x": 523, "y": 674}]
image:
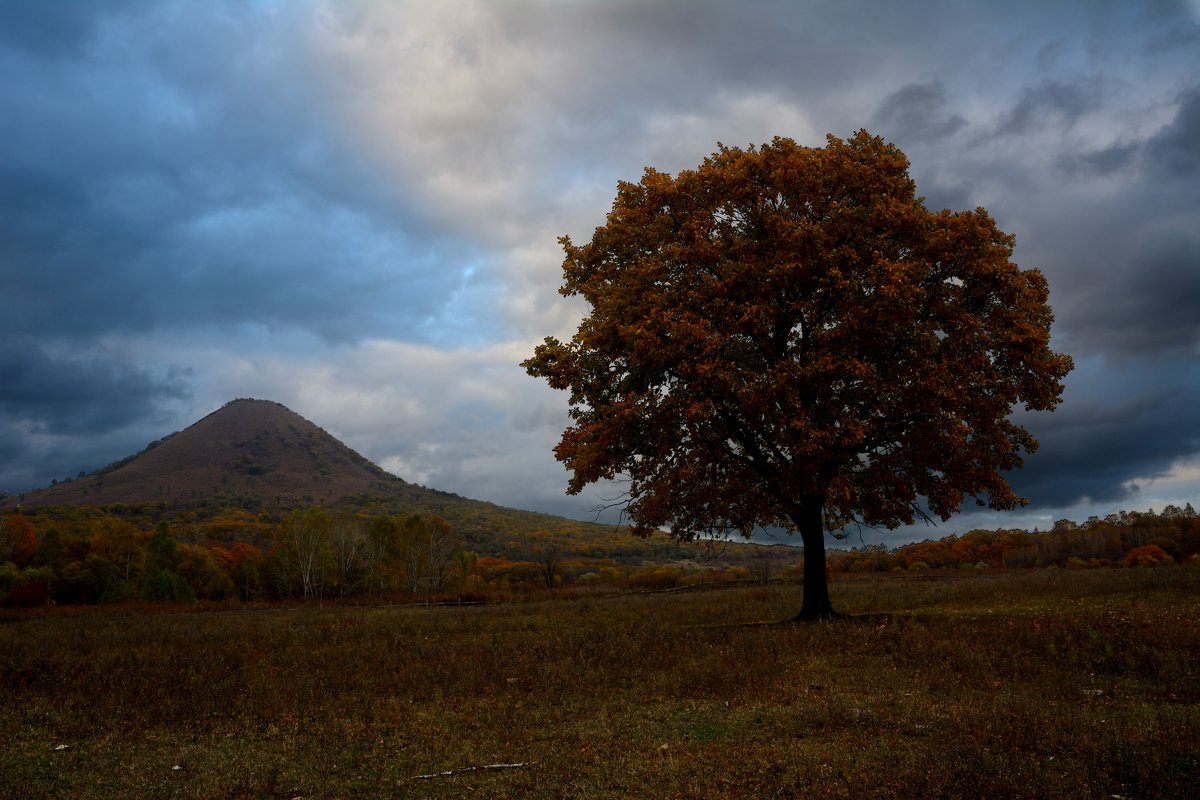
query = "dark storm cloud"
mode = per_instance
[
  {"x": 1118, "y": 240},
  {"x": 1105, "y": 161},
  {"x": 64, "y": 412},
  {"x": 73, "y": 393},
  {"x": 1172, "y": 153},
  {"x": 1050, "y": 103},
  {"x": 274, "y": 192},
  {"x": 1175, "y": 151},
  {"x": 1132, "y": 259},
  {"x": 193, "y": 186},
  {"x": 1108, "y": 435},
  {"x": 916, "y": 112},
  {"x": 1154, "y": 305}
]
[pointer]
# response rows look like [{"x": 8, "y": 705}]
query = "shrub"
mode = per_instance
[
  {"x": 1149, "y": 555},
  {"x": 652, "y": 577},
  {"x": 29, "y": 595},
  {"x": 24, "y": 587}
]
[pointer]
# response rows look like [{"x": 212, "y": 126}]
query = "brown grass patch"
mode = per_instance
[{"x": 1074, "y": 684}]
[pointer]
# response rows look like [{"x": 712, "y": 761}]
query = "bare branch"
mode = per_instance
[{"x": 452, "y": 772}]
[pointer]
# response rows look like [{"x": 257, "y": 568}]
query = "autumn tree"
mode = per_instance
[
  {"x": 199, "y": 568},
  {"x": 786, "y": 336},
  {"x": 243, "y": 563},
  {"x": 18, "y": 540},
  {"x": 116, "y": 559}
]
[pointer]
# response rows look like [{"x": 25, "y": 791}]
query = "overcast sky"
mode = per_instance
[{"x": 352, "y": 208}]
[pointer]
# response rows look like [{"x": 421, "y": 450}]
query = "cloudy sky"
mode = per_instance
[{"x": 352, "y": 208}]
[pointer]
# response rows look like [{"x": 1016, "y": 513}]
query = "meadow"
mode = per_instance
[{"x": 1030, "y": 684}]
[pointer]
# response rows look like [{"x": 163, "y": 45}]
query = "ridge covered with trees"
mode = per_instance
[{"x": 85, "y": 555}]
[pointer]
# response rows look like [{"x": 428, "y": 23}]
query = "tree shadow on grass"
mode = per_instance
[{"x": 876, "y": 619}]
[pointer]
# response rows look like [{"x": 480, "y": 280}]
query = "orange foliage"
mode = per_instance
[
  {"x": 1149, "y": 555},
  {"x": 787, "y": 336},
  {"x": 18, "y": 540},
  {"x": 232, "y": 557},
  {"x": 655, "y": 577}
]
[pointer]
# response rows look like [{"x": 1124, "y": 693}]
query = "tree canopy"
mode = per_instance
[{"x": 786, "y": 336}]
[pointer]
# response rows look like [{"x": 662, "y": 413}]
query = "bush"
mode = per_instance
[
  {"x": 24, "y": 587},
  {"x": 652, "y": 578},
  {"x": 30, "y": 595},
  {"x": 1149, "y": 555}
]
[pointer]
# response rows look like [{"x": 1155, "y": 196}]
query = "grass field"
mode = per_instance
[{"x": 1047, "y": 684}]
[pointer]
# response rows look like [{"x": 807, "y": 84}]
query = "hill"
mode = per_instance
[
  {"x": 246, "y": 449},
  {"x": 261, "y": 457}
]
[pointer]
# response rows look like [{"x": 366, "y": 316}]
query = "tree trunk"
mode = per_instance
[{"x": 816, "y": 591}]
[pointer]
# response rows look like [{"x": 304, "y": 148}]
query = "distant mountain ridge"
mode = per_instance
[
  {"x": 246, "y": 449},
  {"x": 258, "y": 456}
]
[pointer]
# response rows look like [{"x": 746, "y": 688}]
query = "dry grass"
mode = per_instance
[{"x": 1038, "y": 685}]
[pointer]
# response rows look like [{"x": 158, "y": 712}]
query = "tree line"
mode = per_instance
[
  {"x": 311, "y": 553},
  {"x": 1124, "y": 538},
  {"x": 85, "y": 556}
]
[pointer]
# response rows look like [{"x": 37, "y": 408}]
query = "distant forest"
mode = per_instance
[{"x": 85, "y": 555}]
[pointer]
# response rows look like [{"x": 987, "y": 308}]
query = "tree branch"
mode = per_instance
[{"x": 453, "y": 772}]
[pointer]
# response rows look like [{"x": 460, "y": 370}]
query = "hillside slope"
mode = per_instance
[
  {"x": 259, "y": 456},
  {"x": 246, "y": 449}
]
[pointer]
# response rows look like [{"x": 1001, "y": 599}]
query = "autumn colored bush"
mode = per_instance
[
  {"x": 654, "y": 578},
  {"x": 30, "y": 595},
  {"x": 1150, "y": 555}
]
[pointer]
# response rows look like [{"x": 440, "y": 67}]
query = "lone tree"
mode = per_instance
[{"x": 787, "y": 337}]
